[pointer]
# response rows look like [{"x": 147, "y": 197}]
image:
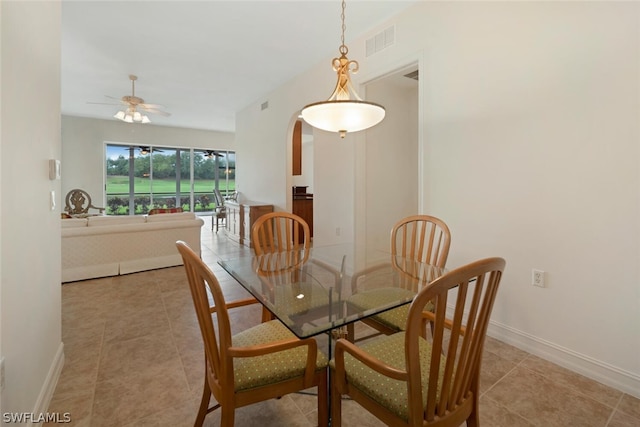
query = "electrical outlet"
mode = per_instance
[{"x": 537, "y": 278}]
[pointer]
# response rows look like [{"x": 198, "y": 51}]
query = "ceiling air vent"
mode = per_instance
[{"x": 381, "y": 41}]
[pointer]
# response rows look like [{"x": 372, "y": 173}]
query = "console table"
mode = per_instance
[{"x": 240, "y": 219}]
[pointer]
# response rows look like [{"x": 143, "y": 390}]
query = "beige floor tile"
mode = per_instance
[
  {"x": 134, "y": 323},
  {"x": 180, "y": 415},
  {"x": 630, "y": 405},
  {"x": 494, "y": 415},
  {"x": 76, "y": 379},
  {"x": 126, "y": 399},
  {"x": 307, "y": 402},
  {"x": 179, "y": 309},
  {"x": 193, "y": 366},
  {"x": 354, "y": 415},
  {"x": 188, "y": 340},
  {"x": 281, "y": 412},
  {"x": 494, "y": 368},
  {"x": 573, "y": 381},
  {"x": 78, "y": 407},
  {"x": 545, "y": 403},
  {"x": 505, "y": 351},
  {"x": 620, "y": 419},
  {"x": 121, "y": 359}
]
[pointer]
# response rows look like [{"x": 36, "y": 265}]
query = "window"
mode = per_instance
[{"x": 141, "y": 178}]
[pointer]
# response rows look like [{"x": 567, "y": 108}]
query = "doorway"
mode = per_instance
[
  {"x": 302, "y": 172},
  {"x": 392, "y": 181}
]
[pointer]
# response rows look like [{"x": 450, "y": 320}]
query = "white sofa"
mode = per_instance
[{"x": 100, "y": 246}]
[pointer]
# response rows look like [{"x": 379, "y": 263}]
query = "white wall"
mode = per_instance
[
  {"x": 532, "y": 124},
  {"x": 529, "y": 135},
  {"x": 30, "y": 321},
  {"x": 83, "y": 147}
]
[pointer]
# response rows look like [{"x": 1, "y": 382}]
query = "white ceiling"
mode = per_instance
[{"x": 201, "y": 60}]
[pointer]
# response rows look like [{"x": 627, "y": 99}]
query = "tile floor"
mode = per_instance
[{"x": 133, "y": 357}]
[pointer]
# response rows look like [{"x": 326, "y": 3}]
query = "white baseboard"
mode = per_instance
[
  {"x": 49, "y": 386},
  {"x": 612, "y": 376}
]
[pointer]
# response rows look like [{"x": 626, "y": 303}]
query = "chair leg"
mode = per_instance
[
  {"x": 323, "y": 401},
  {"x": 227, "y": 417},
  {"x": 336, "y": 404},
  {"x": 204, "y": 403},
  {"x": 472, "y": 420}
]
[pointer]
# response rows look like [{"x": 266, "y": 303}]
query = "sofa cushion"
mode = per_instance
[
  {"x": 171, "y": 217},
  {"x": 95, "y": 221},
  {"x": 74, "y": 222}
]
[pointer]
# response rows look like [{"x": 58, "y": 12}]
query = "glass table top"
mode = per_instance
[{"x": 326, "y": 288}]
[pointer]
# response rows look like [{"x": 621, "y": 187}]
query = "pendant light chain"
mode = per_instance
[{"x": 343, "y": 48}]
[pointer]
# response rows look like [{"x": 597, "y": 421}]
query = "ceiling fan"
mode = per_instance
[
  {"x": 211, "y": 153},
  {"x": 144, "y": 150},
  {"x": 133, "y": 104}
]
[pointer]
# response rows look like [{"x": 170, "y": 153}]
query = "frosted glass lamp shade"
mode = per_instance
[
  {"x": 343, "y": 116},
  {"x": 132, "y": 116}
]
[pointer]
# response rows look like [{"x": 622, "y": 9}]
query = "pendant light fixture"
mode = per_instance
[{"x": 344, "y": 111}]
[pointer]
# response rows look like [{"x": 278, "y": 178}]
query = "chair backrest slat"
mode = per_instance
[
  {"x": 282, "y": 232},
  {"x": 462, "y": 301},
  {"x": 417, "y": 240},
  {"x": 421, "y": 238}
]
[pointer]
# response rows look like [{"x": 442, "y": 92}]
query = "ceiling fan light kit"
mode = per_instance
[
  {"x": 131, "y": 113},
  {"x": 132, "y": 116},
  {"x": 344, "y": 111}
]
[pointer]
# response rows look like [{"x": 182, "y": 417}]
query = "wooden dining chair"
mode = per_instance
[
  {"x": 405, "y": 379},
  {"x": 415, "y": 241},
  {"x": 263, "y": 362},
  {"x": 220, "y": 211},
  {"x": 282, "y": 232},
  {"x": 284, "y": 240}
]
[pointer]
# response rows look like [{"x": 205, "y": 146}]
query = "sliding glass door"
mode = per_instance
[{"x": 140, "y": 178}]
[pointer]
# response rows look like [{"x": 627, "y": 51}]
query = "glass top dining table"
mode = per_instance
[{"x": 327, "y": 288}]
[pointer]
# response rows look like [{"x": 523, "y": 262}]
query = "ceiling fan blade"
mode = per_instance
[
  {"x": 120, "y": 100},
  {"x": 102, "y": 103},
  {"x": 154, "y": 111},
  {"x": 145, "y": 105}
]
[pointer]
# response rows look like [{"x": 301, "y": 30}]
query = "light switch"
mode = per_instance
[
  {"x": 54, "y": 169},
  {"x": 53, "y": 200}
]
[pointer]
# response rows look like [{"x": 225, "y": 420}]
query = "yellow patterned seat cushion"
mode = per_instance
[
  {"x": 390, "y": 393},
  {"x": 251, "y": 372},
  {"x": 396, "y": 318},
  {"x": 300, "y": 298}
]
